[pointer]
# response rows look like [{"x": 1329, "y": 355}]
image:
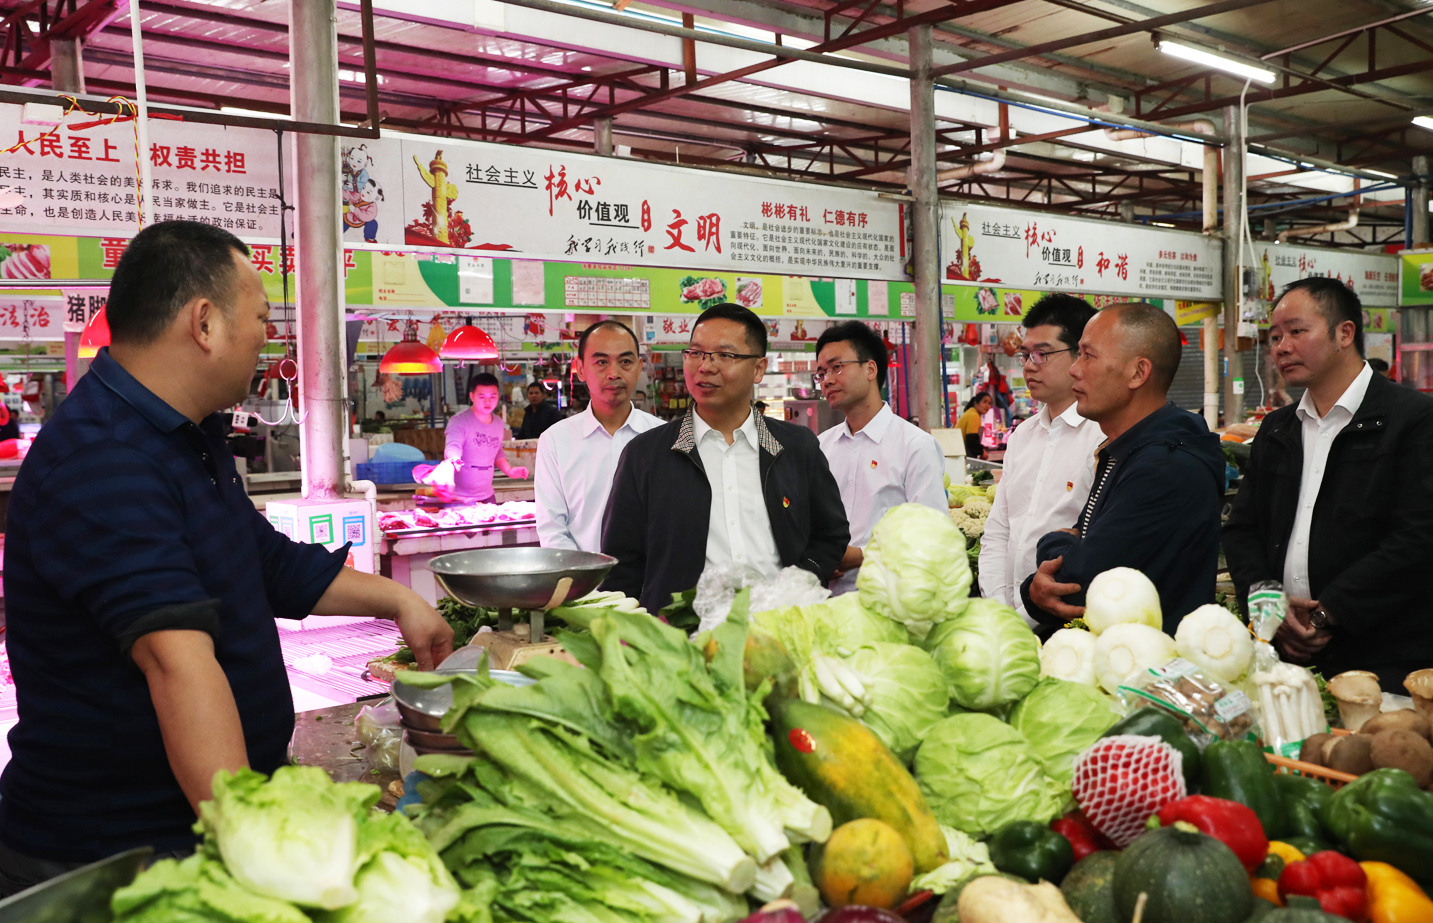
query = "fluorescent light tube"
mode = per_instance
[{"x": 1218, "y": 62}]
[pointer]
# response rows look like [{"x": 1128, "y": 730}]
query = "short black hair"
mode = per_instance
[
  {"x": 1378, "y": 365},
  {"x": 166, "y": 266},
  {"x": 1337, "y": 303},
  {"x": 727, "y": 310},
  {"x": 867, "y": 343},
  {"x": 484, "y": 379},
  {"x": 1155, "y": 337},
  {"x": 1068, "y": 312},
  {"x": 610, "y": 324}
]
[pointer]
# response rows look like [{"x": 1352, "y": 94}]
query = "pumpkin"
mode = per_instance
[
  {"x": 1089, "y": 888},
  {"x": 1189, "y": 878}
]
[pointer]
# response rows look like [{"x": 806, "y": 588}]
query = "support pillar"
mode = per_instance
[
  {"x": 67, "y": 75},
  {"x": 1210, "y": 179},
  {"x": 313, "y": 67},
  {"x": 925, "y": 223},
  {"x": 1420, "y": 202},
  {"x": 1233, "y": 267},
  {"x": 602, "y": 136}
]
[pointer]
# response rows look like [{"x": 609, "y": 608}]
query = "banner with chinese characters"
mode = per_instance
[
  {"x": 82, "y": 176},
  {"x": 491, "y": 199},
  {"x": 1373, "y": 276},
  {"x": 986, "y": 246}
]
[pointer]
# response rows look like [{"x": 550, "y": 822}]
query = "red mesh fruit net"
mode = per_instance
[{"x": 1120, "y": 781}]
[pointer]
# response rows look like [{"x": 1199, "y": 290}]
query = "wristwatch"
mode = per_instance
[{"x": 1320, "y": 618}]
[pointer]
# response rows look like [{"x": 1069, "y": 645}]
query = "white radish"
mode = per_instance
[
  {"x": 1069, "y": 654},
  {"x": 1214, "y": 640}
]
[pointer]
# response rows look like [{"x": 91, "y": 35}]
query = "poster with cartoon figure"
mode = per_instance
[{"x": 371, "y": 210}]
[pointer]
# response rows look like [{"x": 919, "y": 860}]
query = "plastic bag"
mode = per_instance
[
  {"x": 380, "y": 732},
  {"x": 1268, "y": 605},
  {"x": 1291, "y": 710},
  {"x": 718, "y": 586},
  {"x": 1208, "y": 708}
]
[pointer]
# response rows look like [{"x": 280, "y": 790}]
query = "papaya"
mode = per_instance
[
  {"x": 842, "y": 765},
  {"x": 866, "y": 863}
]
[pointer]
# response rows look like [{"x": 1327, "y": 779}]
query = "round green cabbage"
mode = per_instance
[
  {"x": 915, "y": 569},
  {"x": 990, "y": 657},
  {"x": 1061, "y": 719},
  {"x": 908, "y": 694},
  {"x": 979, "y": 774}
]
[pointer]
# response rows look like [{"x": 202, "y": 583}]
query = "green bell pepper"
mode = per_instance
[
  {"x": 1153, "y": 721},
  {"x": 1032, "y": 851},
  {"x": 1303, "y": 799},
  {"x": 1236, "y": 770},
  {"x": 1308, "y": 845},
  {"x": 1383, "y": 816}
]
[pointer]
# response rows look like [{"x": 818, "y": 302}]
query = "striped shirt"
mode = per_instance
[{"x": 127, "y": 518}]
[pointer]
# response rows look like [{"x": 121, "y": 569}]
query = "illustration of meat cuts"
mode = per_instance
[
  {"x": 749, "y": 294},
  {"x": 703, "y": 289},
  {"x": 1012, "y": 304}
]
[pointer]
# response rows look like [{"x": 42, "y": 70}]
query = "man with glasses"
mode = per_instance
[
  {"x": 576, "y": 456},
  {"x": 879, "y": 460},
  {"x": 1050, "y": 458},
  {"x": 722, "y": 485}
]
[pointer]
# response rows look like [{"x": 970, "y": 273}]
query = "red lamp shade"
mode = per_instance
[
  {"x": 95, "y": 335},
  {"x": 410, "y": 357},
  {"x": 469, "y": 343}
]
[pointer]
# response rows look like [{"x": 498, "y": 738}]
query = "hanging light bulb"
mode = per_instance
[
  {"x": 410, "y": 357},
  {"x": 95, "y": 335},
  {"x": 469, "y": 343}
]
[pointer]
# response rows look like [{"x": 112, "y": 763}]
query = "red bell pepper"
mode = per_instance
[
  {"x": 1083, "y": 836},
  {"x": 1337, "y": 882},
  {"x": 1231, "y": 823}
]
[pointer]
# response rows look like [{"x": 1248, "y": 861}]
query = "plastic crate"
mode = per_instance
[
  {"x": 1331, "y": 777},
  {"x": 393, "y": 472}
]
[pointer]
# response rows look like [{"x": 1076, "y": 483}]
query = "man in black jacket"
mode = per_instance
[
  {"x": 540, "y": 414},
  {"x": 1337, "y": 498},
  {"x": 1159, "y": 477},
  {"x": 721, "y": 485}
]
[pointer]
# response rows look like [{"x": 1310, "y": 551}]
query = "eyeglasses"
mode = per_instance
[
  {"x": 834, "y": 368},
  {"x": 1038, "y": 357},
  {"x": 719, "y": 359}
]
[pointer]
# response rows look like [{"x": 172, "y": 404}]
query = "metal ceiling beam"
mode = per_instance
[
  {"x": 1133, "y": 28},
  {"x": 1353, "y": 31}
]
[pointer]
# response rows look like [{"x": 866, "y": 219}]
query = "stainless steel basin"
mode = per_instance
[{"x": 520, "y": 578}]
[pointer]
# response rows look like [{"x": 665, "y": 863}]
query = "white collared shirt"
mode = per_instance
[
  {"x": 1319, "y": 435},
  {"x": 576, "y": 461},
  {"x": 890, "y": 461},
  {"x": 739, "y": 529},
  {"x": 1049, "y": 468}
]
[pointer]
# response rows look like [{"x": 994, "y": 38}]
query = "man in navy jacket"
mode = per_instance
[
  {"x": 722, "y": 485},
  {"x": 1159, "y": 477}
]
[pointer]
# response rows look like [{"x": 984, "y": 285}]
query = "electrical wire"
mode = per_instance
[{"x": 1245, "y": 236}]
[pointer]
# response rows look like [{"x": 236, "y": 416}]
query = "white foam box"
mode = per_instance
[{"x": 329, "y": 523}]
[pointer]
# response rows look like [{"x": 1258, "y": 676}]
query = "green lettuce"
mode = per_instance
[
  {"x": 907, "y": 694},
  {"x": 196, "y": 890},
  {"x": 915, "y": 569},
  {"x": 401, "y": 879},
  {"x": 989, "y": 655},
  {"x": 978, "y": 774},
  {"x": 1061, "y": 719},
  {"x": 836, "y": 628},
  {"x": 968, "y": 856}
]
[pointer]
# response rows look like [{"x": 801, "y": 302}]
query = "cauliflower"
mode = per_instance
[
  {"x": 973, "y": 527},
  {"x": 977, "y": 508}
]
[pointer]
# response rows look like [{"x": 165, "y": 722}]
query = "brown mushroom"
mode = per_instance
[
  {"x": 1359, "y": 697},
  {"x": 1419, "y": 684},
  {"x": 1353, "y": 754},
  {"x": 1313, "y": 749},
  {"x": 1404, "y": 750},
  {"x": 1404, "y": 719}
]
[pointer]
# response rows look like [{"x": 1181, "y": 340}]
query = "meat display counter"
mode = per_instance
[{"x": 410, "y": 538}]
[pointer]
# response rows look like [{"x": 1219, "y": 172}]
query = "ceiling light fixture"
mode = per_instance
[
  {"x": 1216, "y": 61},
  {"x": 1424, "y": 121},
  {"x": 409, "y": 356}
]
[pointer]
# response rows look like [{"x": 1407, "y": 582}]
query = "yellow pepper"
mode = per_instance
[
  {"x": 1268, "y": 888},
  {"x": 1393, "y": 897}
]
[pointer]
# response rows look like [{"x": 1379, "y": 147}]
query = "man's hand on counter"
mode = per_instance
[{"x": 427, "y": 635}]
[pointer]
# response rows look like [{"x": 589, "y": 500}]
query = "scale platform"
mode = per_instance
[{"x": 530, "y": 580}]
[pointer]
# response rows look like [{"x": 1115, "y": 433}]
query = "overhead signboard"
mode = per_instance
[
  {"x": 990, "y": 246},
  {"x": 1372, "y": 276}
]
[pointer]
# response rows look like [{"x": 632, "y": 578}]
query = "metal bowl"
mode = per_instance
[
  {"x": 423, "y": 709},
  {"x": 431, "y": 740},
  {"x": 520, "y": 578}
]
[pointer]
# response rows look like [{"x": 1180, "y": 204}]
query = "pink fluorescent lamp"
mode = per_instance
[
  {"x": 469, "y": 343},
  {"x": 95, "y": 335},
  {"x": 410, "y": 357}
]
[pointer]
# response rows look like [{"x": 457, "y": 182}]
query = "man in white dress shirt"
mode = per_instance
[
  {"x": 576, "y": 457},
  {"x": 1337, "y": 497},
  {"x": 1050, "y": 458},
  {"x": 878, "y": 459}
]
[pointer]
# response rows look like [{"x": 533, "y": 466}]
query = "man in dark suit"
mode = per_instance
[
  {"x": 722, "y": 485},
  {"x": 1337, "y": 498}
]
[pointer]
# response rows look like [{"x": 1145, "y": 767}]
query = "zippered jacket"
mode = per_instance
[{"x": 660, "y": 507}]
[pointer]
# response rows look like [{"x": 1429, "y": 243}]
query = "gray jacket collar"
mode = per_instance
[{"x": 687, "y": 437}]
